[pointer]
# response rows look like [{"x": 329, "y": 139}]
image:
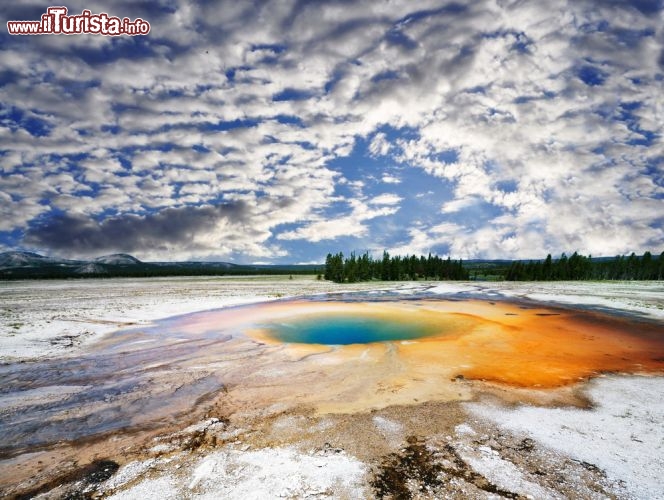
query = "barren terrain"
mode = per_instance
[{"x": 341, "y": 434}]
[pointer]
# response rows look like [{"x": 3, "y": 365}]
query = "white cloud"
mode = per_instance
[
  {"x": 390, "y": 179},
  {"x": 423, "y": 241},
  {"x": 491, "y": 93},
  {"x": 347, "y": 225},
  {"x": 457, "y": 204},
  {"x": 379, "y": 145},
  {"x": 386, "y": 199}
]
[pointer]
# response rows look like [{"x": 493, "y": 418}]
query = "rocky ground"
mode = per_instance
[{"x": 430, "y": 450}]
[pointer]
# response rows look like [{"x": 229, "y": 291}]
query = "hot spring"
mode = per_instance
[
  {"x": 359, "y": 328},
  {"x": 329, "y": 356}
]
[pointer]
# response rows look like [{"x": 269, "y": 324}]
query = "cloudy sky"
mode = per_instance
[{"x": 280, "y": 131}]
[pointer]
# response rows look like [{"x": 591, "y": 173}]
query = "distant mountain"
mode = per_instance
[
  {"x": 91, "y": 268},
  {"x": 28, "y": 265},
  {"x": 20, "y": 265},
  {"x": 30, "y": 259},
  {"x": 118, "y": 259},
  {"x": 193, "y": 263},
  {"x": 19, "y": 259}
]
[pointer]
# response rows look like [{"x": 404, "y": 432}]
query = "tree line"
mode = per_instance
[
  {"x": 579, "y": 267},
  {"x": 391, "y": 268}
]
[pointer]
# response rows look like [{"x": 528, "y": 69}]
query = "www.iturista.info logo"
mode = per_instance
[{"x": 55, "y": 21}]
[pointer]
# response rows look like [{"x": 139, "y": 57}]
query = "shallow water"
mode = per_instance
[{"x": 356, "y": 328}]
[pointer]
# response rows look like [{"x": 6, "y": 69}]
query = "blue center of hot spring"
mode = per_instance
[{"x": 338, "y": 330}]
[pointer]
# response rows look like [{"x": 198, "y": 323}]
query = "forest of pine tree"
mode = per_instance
[
  {"x": 579, "y": 267},
  {"x": 576, "y": 267},
  {"x": 365, "y": 268}
]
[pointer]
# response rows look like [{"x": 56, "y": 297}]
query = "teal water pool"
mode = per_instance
[{"x": 349, "y": 329}]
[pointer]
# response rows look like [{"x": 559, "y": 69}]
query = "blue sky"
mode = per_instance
[{"x": 274, "y": 132}]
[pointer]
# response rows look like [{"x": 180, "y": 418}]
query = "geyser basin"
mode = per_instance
[
  {"x": 325, "y": 356},
  {"x": 329, "y": 356}
]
